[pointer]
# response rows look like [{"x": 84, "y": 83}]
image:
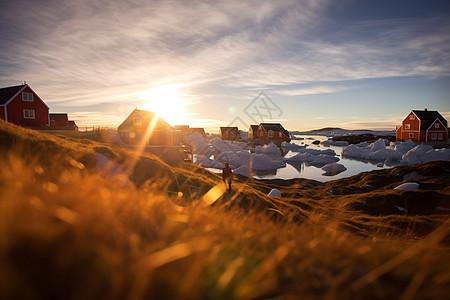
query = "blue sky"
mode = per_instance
[{"x": 351, "y": 64}]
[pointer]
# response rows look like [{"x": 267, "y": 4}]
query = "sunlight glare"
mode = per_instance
[{"x": 168, "y": 102}]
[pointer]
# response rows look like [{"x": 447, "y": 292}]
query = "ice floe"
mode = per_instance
[
  {"x": 335, "y": 143},
  {"x": 292, "y": 147},
  {"x": 333, "y": 169},
  {"x": 402, "y": 152},
  {"x": 317, "y": 160}
]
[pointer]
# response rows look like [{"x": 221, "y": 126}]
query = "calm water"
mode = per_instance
[{"x": 301, "y": 170}]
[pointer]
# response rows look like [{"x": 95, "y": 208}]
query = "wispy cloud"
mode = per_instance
[
  {"x": 314, "y": 90},
  {"x": 82, "y": 53}
]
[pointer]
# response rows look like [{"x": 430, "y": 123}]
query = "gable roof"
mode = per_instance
[
  {"x": 231, "y": 129},
  {"x": 147, "y": 116},
  {"x": 275, "y": 127},
  {"x": 427, "y": 117},
  {"x": 254, "y": 128},
  {"x": 7, "y": 93}
]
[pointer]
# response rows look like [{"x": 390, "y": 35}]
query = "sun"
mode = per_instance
[{"x": 168, "y": 102}]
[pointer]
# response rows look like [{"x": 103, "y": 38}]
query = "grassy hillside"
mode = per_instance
[{"x": 74, "y": 230}]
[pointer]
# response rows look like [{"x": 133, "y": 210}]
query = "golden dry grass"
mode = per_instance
[{"x": 70, "y": 230}]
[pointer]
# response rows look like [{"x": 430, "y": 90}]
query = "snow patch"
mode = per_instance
[
  {"x": 410, "y": 186},
  {"x": 274, "y": 193}
]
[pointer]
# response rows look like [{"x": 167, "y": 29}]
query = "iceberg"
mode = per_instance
[
  {"x": 335, "y": 143},
  {"x": 333, "y": 169}
]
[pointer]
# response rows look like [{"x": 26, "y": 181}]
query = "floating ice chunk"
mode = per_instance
[
  {"x": 403, "y": 147},
  {"x": 425, "y": 153},
  {"x": 335, "y": 143},
  {"x": 297, "y": 138},
  {"x": 199, "y": 143},
  {"x": 243, "y": 170},
  {"x": 333, "y": 169},
  {"x": 224, "y": 145},
  {"x": 315, "y": 160},
  {"x": 291, "y": 147},
  {"x": 318, "y": 152},
  {"x": 376, "y": 151},
  {"x": 207, "y": 162},
  {"x": 270, "y": 149},
  {"x": 410, "y": 186},
  {"x": 378, "y": 145},
  {"x": 252, "y": 160},
  {"x": 274, "y": 193}
]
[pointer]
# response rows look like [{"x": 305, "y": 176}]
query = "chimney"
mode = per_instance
[{"x": 424, "y": 109}]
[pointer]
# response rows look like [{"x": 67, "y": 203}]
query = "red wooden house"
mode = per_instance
[
  {"x": 424, "y": 126},
  {"x": 61, "y": 121},
  {"x": 272, "y": 132},
  {"x": 253, "y": 132},
  {"x": 22, "y": 106},
  {"x": 229, "y": 133},
  {"x": 146, "y": 128}
]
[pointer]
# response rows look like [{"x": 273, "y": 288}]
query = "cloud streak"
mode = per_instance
[{"x": 92, "y": 52}]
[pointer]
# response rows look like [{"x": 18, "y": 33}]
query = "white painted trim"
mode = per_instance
[
  {"x": 15, "y": 95},
  {"x": 6, "y": 112},
  {"x": 431, "y": 125},
  {"x": 34, "y": 114},
  {"x": 19, "y": 92},
  {"x": 26, "y": 85}
]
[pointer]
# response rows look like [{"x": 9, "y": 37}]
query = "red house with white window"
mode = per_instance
[
  {"x": 425, "y": 126},
  {"x": 271, "y": 132},
  {"x": 22, "y": 106}
]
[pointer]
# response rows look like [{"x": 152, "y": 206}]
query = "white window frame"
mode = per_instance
[
  {"x": 279, "y": 134},
  {"x": 27, "y": 97},
  {"x": 412, "y": 117},
  {"x": 433, "y": 136},
  {"x": 411, "y": 135},
  {"x": 261, "y": 134},
  {"x": 270, "y": 134},
  {"x": 407, "y": 126},
  {"x": 440, "y": 136},
  {"x": 436, "y": 125},
  {"x": 29, "y": 114}
]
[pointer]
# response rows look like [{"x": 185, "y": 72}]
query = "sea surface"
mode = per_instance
[{"x": 302, "y": 170}]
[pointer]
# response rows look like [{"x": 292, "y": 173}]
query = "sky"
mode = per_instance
[{"x": 307, "y": 64}]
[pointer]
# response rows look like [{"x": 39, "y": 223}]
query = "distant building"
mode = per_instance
[
  {"x": 271, "y": 132},
  {"x": 425, "y": 126},
  {"x": 146, "y": 128},
  {"x": 22, "y": 106},
  {"x": 61, "y": 121},
  {"x": 252, "y": 132},
  {"x": 199, "y": 130},
  {"x": 229, "y": 133}
]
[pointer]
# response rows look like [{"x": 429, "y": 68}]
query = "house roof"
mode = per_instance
[
  {"x": 232, "y": 129},
  {"x": 7, "y": 93},
  {"x": 427, "y": 117},
  {"x": 275, "y": 127},
  {"x": 148, "y": 116},
  {"x": 254, "y": 128},
  {"x": 60, "y": 117}
]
